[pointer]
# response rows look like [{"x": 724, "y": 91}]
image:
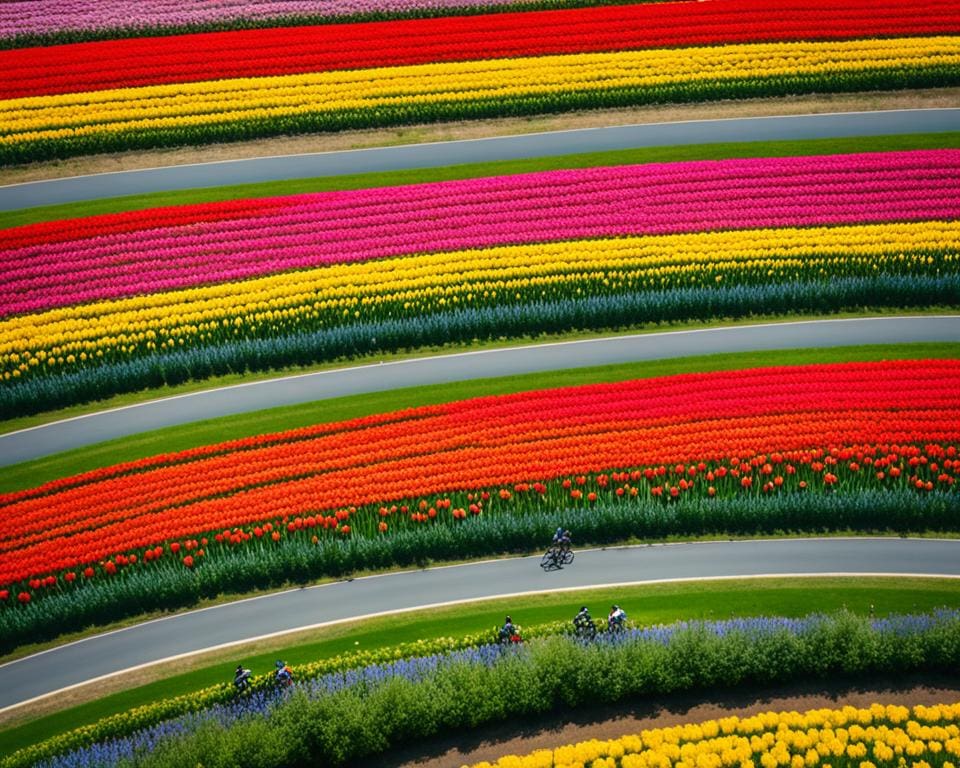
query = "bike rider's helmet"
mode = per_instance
[{"x": 509, "y": 620}]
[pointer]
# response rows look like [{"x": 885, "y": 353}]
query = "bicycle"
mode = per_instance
[
  {"x": 585, "y": 630},
  {"x": 556, "y": 558}
]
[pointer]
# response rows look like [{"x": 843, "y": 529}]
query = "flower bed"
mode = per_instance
[
  {"x": 298, "y": 50},
  {"x": 880, "y": 735},
  {"x": 26, "y": 23},
  {"x": 618, "y": 455},
  {"x": 341, "y": 717},
  {"x": 174, "y": 90},
  {"x": 97, "y": 306}
]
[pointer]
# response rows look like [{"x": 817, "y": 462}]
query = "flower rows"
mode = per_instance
[
  {"x": 122, "y": 287},
  {"x": 46, "y": 126},
  {"x": 69, "y": 20},
  {"x": 134, "y": 722},
  {"x": 866, "y": 737},
  {"x": 650, "y": 191},
  {"x": 296, "y": 50},
  {"x": 58, "y": 340},
  {"x": 53, "y": 265},
  {"x": 319, "y": 479},
  {"x": 425, "y": 689}
]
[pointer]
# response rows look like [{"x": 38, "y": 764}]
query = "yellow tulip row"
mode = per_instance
[
  {"x": 409, "y": 284},
  {"x": 862, "y": 738},
  {"x": 224, "y": 101}
]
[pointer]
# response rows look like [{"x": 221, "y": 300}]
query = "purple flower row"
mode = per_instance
[
  {"x": 325, "y": 228},
  {"x": 261, "y": 704},
  {"x": 22, "y": 17},
  {"x": 108, "y": 754}
]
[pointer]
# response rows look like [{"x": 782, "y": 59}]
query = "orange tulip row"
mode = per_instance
[{"x": 481, "y": 443}]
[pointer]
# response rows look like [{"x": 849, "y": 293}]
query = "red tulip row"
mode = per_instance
[
  {"x": 293, "y": 50},
  {"x": 477, "y": 443}
]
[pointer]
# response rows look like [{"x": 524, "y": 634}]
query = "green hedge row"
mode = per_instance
[{"x": 345, "y": 727}]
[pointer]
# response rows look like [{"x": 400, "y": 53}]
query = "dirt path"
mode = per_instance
[
  {"x": 520, "y": 738},
  {"x": 287, "y": 145}
]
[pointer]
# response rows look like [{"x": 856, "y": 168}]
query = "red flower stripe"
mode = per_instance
[
  {"x": 61, "y": 230},
  {"x": 292, "y": 50},
  {"x": 306, "y": 231},
  {"x": 193, "y": 454},
  {"x": 487, "y": 442}
]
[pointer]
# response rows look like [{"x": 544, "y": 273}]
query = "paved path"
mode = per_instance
[
  {"x": 47, "y": 439},
  {"x": 143, "y": 644},
  {"x": 15, "y": 196}
]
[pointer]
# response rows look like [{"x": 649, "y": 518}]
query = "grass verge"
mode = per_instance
[
  {"x": 716, "y": 151},
  {"x": 214, "y": 382},
  {"x": 645, "y": 604},
  {"x": 32, "y": 473}
]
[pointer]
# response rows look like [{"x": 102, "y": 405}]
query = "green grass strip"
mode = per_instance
[
  {"x": 32, "y": 473},
  {"x": 645, "y": 605},
  {"x": 475, "y": 170}
]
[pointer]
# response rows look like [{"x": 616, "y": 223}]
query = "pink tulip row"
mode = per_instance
[
  {"x": 314, "y": 230},
  {"x": 655, "y": 177},
  {"x": 18, "y": 17}
]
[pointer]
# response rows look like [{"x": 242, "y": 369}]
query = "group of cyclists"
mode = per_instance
[
  {"x": 583, "y": 625},
  {"x": 557, "y": 556},
  {"x": 282, "y": 676}
]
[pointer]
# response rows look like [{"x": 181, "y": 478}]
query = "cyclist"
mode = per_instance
[
  {"x": 583, "y": 623},
  {"x": 617, "y": 619},
  {"x": 557, "y": 536},
  {"x": 241, "y": 678},
  {"x": 284, "y": 675},
  {"x": 565, "y": 541},
  {"x": 509, "y": 633}
]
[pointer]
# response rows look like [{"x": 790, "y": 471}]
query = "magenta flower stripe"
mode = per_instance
[{"x": 316, "y": 229}]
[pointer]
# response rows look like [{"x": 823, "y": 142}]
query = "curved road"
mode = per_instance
[
  {"x": 111, "y": 653},
  {"x": 27, "y": 444},
  {"x": 27, "y": 195}
]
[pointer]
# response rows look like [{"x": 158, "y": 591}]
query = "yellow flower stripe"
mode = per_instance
[
  {"x": 880, "y": 735},
  {"x": 412, "y": 284},
  {"x": 223, "y": 101}
]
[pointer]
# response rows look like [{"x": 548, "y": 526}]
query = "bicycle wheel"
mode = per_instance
[
  {"x": 567, "y": 557},
  {"x": 548, "y": 560}
]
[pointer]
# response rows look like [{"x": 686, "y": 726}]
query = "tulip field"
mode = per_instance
[
  {"x": 863, "y": 445},
  {"x": 175, "y": 289},
  {"x": 175, "y": 89},
  {"x": 875, "y": 736},
  {"x": 107, "y": 304}
]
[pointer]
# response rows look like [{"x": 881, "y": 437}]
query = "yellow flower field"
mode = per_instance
[{"x": 881, "y": 735}]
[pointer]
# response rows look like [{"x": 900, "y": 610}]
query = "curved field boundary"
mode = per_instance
[{"x": 47, "y": 439}]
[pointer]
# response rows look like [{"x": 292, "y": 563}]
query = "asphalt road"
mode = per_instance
[
  {"x": 114, "y": 652},
  {"x": 28, "y": 195},
  {"x": 47, "y": 439}
]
